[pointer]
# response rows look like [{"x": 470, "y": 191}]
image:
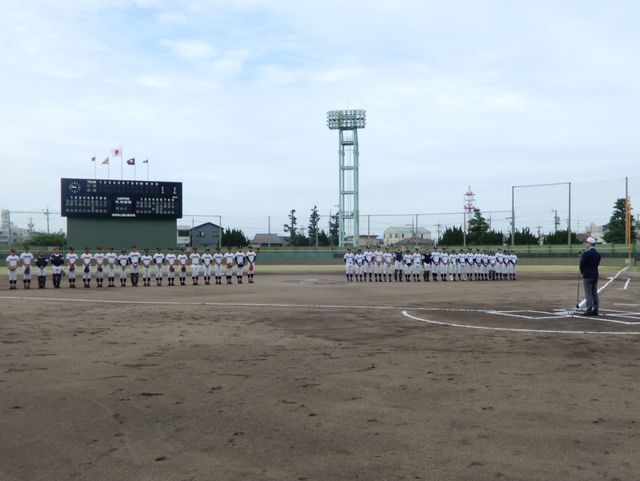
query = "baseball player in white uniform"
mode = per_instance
[
  {"x": 72, "y": 260},
  {"x": 146, "y": 259},
  {"x": 348, "y": 263},
  {"x": 407, "y": 260},
  {"x": 240, "y": 260},
  {"x": 87, "y": 260},
  {"x": 453, "y": 265},
  {"x": 377, "y": 264},
  {"x": 368, "y": 263},
  {"x": 207, "y": 259},
  {"x": 417, "y": 261},
  {"x": 444, "y": 264},
  {"x": 195, "y": 266},
  {"x": 229, "y": 259},
  {"x": 387, "y": 257},
  {"x": 251, "y": 264},
  {"x": 112, "y": 259},
  {"x": 435, "y": 263},
  {"x": 13, "y": 260},
  {"x": 171, "y": 260},
  {"x": 99, "y": 258},
  {"x": 123, "y": 262},
  {"x": 218, "y": 259},
  {"x": 359, "y": 261},
  {"x": 182, "y": 266},
  {"x": 158, "y": 260},
  {"x": 26, "y": 259},
  {"x": 134, "y": 260}
]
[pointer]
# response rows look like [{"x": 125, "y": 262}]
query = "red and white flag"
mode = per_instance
[
  {"x": 117, "y": 152},
  {"x": 131, "y": 161},
  {"x": 105, "y": 161}
]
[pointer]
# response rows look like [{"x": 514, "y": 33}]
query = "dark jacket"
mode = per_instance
[{"x": 589, "y": 262}]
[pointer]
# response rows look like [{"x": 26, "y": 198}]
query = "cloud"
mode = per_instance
[{"x": 190, "y": 49}]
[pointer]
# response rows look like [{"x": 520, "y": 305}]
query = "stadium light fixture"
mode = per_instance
[{"x": 348, "y": 155}]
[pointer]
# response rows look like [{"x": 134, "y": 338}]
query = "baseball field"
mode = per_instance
[{"x": 302, "y": 376}]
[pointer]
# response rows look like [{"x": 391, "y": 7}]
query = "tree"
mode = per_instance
[
  {"x": 334, "y": 229},
  {"x": 57, "y": 239},
  {"x": 234, "y": 237},
  {"x": 452, "y": 236},
  {"x": 292, "y": 227},
  {"x": 323, "y": 238},
  {"x": 478, "y": 227},
  {"x": 614, "y": 231},
  {"x": 314, "y": 220},
  {"x": 560, "y": 237},
  {"x": 525, "y": 237}
]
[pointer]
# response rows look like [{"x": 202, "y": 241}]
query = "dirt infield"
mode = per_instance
[{"x": 304, "y": 377}]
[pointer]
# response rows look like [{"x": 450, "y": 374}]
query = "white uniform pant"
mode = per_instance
[
  {"x": 13, "y": 275},
  {"x": 100, "y": 272},
  {"x": 195, "y": 270},
  {"x": 218, "y": 270},
  {"x": 229, "y": 271},
  {"x": 26, "y": 274},
  {"x": 398, "y": 265},
  {"x": 159, "y": 272},
  {"x": 426, "y": 266},
  {"x": 416, "y": 268},
  {"x": 359, "y": 269},
  {"x": 183, "y": 272},
  {"x": 42, "y": 271},
  {"x": 123, "y": 272},
  {"x": 172, "y": 272},
  {"x": 207, "y": 270},
  {"x": 56, "y": 270},
  {"x": 240, "y": 271},
  {"x": 251, "y": 268},
  {"x": 407, "y": 269},
  {"x": 349, "y": 268},
  {"x": 463, "y": 267},
  {"x": 86, "y": 273},
  {"x": 444, "y": 267},
  {"x": 111, "y": 271},
  {"x": 146, "y": 272},
  {"x": 387, "y": 268},
  {"x": 72, "y": 273}
]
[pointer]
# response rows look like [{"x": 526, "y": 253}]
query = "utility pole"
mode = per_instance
[
  {"x": 46, "y": 213},
  {"x": 556, "y": 220},
  {"x": 438, "y": 227}
]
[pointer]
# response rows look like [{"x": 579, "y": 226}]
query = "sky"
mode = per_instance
[{"x": 230, "y": 98}]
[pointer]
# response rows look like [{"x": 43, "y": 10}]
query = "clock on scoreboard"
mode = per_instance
[{"x": 100, "y": 198}]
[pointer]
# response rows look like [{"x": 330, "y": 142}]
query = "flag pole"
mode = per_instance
[
  {"x": 147, "y": 170},
  {"x": 134, "y": 169},
  {"x": 121, "y": 164},
  {"x": 95, "y": 168}
]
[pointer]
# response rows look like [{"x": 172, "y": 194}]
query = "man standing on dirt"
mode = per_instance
[{"x": 589, "y": 262}]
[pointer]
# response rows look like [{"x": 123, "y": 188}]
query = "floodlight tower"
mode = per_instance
[{"x": 347, "y": 122}]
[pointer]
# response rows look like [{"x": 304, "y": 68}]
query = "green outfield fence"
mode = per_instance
[{"x": 534, "y": 254}]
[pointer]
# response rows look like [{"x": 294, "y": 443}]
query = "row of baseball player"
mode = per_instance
[
  {"x": 107, "y": 263},
  {"x": 378, "y": 265}
]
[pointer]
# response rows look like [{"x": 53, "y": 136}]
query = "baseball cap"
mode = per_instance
[{"x": 591, "y": 240}]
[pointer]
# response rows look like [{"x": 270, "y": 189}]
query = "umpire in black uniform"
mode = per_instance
[{"x": 589, "y": 262}]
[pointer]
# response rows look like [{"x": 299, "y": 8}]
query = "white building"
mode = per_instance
[
  {"x": 7, "y": 227},
  {"x": 393, "y": 235}
]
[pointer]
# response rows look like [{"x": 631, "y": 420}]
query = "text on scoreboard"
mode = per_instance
[{"x": 121, "y": 198}]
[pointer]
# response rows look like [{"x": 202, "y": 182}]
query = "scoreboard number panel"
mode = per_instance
[{"x": 99, "y": 198}]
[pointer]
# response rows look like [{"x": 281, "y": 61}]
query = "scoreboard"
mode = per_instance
[{"x": 100, "y": 198}]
